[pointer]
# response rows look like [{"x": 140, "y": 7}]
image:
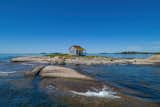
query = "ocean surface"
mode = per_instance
[{"x": 139, "y": 81}]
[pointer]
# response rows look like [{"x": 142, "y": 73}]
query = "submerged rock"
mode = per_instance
[
  {"x": 67, "y": 85},
  {"x": 82, "y": 93}
]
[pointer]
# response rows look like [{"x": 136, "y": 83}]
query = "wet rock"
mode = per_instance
[
  {"x": 80, "y": 101},
  {"x": 66, "y": 85}
]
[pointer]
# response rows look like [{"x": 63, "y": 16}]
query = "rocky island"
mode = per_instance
[{"x": 62, "y": 59}]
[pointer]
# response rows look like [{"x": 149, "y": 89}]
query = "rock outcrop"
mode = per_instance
[
  {"x": 62, "y": 72},
  {"x": 56, "y": 72},
  {"x": 61, "y": 61},
  {"x": 38, "y": 59}
]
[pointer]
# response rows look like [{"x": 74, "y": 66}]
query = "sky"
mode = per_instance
[{"x": 33, "y": 26}]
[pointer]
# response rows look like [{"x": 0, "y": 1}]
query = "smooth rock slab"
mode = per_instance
[
  {"x": 62, "y": 72},
  {"x": 32, "y": 59}
]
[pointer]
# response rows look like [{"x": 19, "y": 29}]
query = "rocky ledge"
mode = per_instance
[
  {"x": 64, "y": 79},
  {"x": 56, "y": 72}
]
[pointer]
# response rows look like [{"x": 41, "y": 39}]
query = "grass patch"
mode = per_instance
[
  {"x": 57, "y": 54},
  {"x": 60, "y": 55}
]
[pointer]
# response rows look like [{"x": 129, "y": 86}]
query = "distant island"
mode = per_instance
[
  {"x": 135, "y": 52},
  {"x": 132, "y": 52}
]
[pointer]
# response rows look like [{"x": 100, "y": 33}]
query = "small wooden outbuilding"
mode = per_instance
[{"x": 77, "y": 50}]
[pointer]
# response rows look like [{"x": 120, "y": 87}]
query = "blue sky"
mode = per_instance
[{"x": 31, "y": 26}]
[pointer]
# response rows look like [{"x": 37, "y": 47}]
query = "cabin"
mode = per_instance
[{"x": 77, "y": 50}]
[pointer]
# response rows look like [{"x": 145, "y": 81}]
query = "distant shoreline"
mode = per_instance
[{"x": 132, "y": 52}]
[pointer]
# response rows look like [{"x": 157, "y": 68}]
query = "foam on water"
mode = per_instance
[
  {"x": 104, "y": 93},
  {"x": 6, "y": 73},
  {"x": 27, "y": 64}
]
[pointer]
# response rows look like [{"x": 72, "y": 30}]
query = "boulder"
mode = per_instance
[{"x": 62, "y": 72}]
